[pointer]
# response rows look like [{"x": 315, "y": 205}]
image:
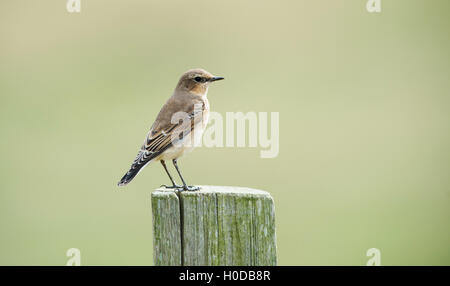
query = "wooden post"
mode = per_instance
[{"x": 213, "y": 226}]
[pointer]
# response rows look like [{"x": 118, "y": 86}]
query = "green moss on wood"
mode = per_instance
[{"x": 221, "y": 226}]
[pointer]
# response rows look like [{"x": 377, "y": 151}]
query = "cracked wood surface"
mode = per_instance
[{"x": 216, "y": 225}]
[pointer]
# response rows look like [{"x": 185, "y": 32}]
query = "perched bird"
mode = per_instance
[{"x": 178, "y": 126}]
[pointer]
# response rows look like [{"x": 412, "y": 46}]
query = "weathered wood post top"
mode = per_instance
[{"x": 213, "y": 226}]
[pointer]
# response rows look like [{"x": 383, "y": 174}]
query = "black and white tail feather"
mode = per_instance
[
  {"x": 154, "y": 145},
  {"x": 142, "y": 159}
]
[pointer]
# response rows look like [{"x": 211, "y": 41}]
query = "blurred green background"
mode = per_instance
[{"x": 364, "y": 102}]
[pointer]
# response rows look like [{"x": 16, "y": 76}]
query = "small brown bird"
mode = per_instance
[{"x": 178, "y": 127}]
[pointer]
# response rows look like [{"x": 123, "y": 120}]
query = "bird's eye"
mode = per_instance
[{"x": 198, "y": 79}]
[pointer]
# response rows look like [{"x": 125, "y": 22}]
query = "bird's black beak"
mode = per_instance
[{"x": 216, "y": 78}]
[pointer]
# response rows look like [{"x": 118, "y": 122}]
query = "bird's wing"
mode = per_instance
[{"x": 162, "y": 136}]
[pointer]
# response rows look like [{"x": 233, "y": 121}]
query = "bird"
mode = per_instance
[{"x": 178, "y": 127}]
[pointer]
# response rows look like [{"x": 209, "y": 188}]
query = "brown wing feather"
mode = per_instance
[{"x": 160, "y": 138}]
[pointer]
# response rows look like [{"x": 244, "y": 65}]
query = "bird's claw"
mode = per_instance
[
  {"x": 171, "y": 187},
  {"x": 182, "y": 188},
  {"x": 190, "y": 188}
]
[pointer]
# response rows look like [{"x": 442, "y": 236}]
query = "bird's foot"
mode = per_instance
[
  {"x": 172, "y": 187},
  {"x": 189, "y": 188}
]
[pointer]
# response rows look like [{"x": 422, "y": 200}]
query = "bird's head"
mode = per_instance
[{"x": 197, "y": 81}]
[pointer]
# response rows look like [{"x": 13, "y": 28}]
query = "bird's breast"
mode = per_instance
[{"x": 205, "y": 113}]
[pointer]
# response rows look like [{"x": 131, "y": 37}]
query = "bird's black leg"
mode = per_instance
[
  {"x": 185, "y": 187},
  {"x": 174, "y": 185}
]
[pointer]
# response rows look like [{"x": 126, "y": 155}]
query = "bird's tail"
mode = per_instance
[
  {"x": 143, "y": 158},
  {"x": 130, "y": 175}
]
